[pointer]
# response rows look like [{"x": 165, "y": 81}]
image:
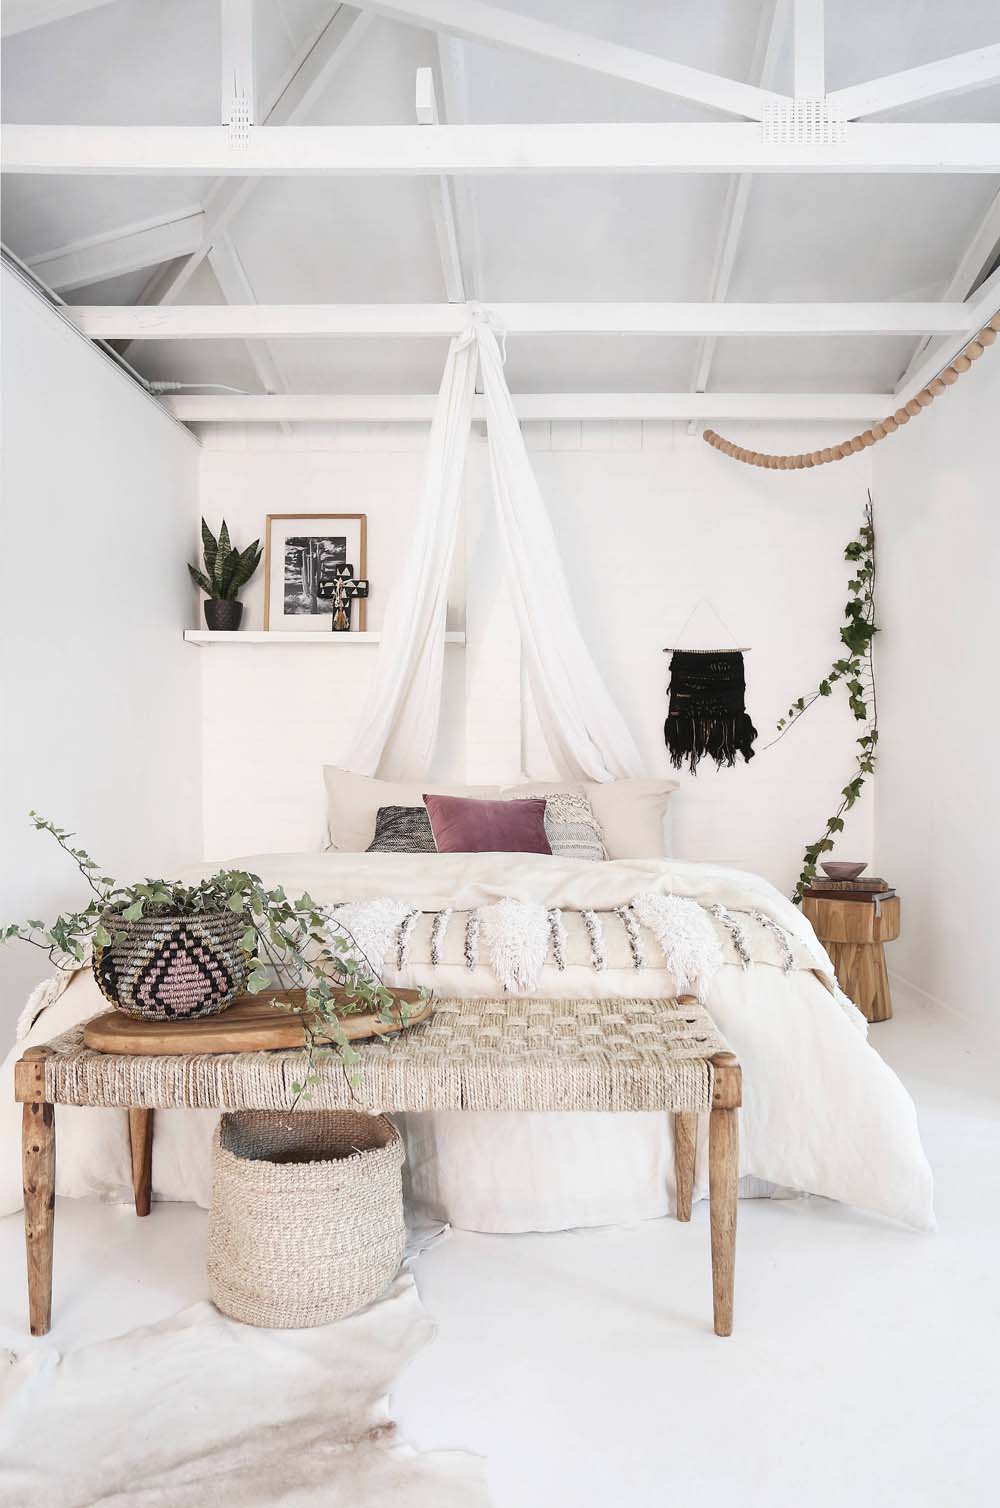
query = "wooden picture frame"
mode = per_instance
[{"x": 300, "y": 617}]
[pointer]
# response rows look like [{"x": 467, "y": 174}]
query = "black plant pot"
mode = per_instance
[{"x": 223, "y": 617}]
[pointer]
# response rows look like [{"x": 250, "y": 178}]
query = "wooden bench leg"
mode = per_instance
[
  {"x": 38, "y": 1151},
  {"x": 685, "y": 1145},
  {"x": 723, "y": 1184},
  {"x": 140, "y": 1133},
  {"x": 723, "y": 1170}
]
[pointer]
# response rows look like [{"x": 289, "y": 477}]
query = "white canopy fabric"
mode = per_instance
[{"x": 583, "y": 727}]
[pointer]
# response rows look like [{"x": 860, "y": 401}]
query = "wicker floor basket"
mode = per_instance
[{"x": 306, "y": 1224}]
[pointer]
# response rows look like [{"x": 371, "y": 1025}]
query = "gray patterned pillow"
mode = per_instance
[
  {"x": 571, "y": 827},
  {"x": 402, "y": 829}
]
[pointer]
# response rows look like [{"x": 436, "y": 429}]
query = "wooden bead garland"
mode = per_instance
[{"x": 938, "y": 385}]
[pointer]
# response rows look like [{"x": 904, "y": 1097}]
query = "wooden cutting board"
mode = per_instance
[{"x": 251, "y": 1024}]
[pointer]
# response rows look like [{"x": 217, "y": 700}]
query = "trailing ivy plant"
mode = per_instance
[
  {"x": 227, "y": 570},
  {"x": 288, "y": 944},
  {"x": 856, "y": 671}
]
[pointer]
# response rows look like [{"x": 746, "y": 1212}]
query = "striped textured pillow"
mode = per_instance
[
  {"x": 402, "y": 829},
  {"x": 571, "y": 826}
]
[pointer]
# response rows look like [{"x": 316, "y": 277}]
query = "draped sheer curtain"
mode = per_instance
[{"x": 582, "y": 725}]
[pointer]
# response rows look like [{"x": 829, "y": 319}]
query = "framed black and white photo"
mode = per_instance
[{"x": 302, "y": 555}]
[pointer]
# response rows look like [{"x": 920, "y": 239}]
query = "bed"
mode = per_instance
[{"x": 822, "y": 1113}]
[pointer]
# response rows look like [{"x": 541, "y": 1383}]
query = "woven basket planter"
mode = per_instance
[
  {"x": 165, "y": 968},
  {"x": 306, "y": 1224}
]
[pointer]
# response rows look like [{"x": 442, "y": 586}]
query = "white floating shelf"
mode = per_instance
[{"x": 205, "y": 636}]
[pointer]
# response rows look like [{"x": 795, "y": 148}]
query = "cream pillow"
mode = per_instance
[
  {"x": 352, "y": 803},
  {"x": 632, "y": 813}
]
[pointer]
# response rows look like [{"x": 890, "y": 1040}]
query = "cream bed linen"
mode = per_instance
[{"x": 822, "y": 1113}]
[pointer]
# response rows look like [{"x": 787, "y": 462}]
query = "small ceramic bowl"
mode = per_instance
[{"x": 840, "y": 871}]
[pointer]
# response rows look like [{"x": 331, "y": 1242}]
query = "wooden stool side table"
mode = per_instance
[{"x": 854, "y": 935}]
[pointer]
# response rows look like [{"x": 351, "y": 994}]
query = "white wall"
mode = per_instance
[
  {"x": 100, "y": 725},
  {"x": 938, "y": 530},
  {"x": 649, "y": 520},
  {"x": 274, "y": 715}
]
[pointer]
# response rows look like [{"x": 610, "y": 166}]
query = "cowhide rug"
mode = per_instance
[{"x": 199, "y": 1411}]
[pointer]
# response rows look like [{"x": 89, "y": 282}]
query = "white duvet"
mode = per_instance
[{"x": 821, "y": 1111}]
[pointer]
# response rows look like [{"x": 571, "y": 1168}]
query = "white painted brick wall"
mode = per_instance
[{"x": 649, "y": 519}]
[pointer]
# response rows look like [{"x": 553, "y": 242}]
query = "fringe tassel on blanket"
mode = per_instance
[
  {"x": 472, "y": 941},
  {"x": 595, "y": 931},
  {"x": 516, "y": 934},
  {"x": 557, "y": 935},
  {"x": 42, "y": 996},
  {"x": 736, "y": 934},
  {"x": 780, "y": 936},
  {"x": 438, "y": 930},
  {"x": 686, "y": 935},
  {"x": 630, "y": 922},
  {"x": 372, "y": 925}
]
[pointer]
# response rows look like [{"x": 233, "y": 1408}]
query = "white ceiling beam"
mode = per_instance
[
  {"x": 455, "y": 99},
  {"x": 26, "y": 15},
  {"x": 129, "y": 248},
  {"x": 986, "y": 302},
  {"x": 274, "y": 321},
  {"x": 442, "y": 206},
  {"x": 478, "y": 22},
  {"x": 979, "y": 311},
  {"x": 239, "y": 65},
  {"x": 940, "y": 80},
  {"x": 316, "y": 67},
  {"x": 808, "y": 49},
  {"x": 397, "y": 151},
  {"x": 235, "y": 286},
  {"x": 413, "y": 408},
  {"x": 763, "y": 67},
  {"x": 978, "y": 255}
]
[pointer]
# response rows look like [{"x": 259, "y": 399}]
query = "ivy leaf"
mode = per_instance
[
  {"x": 824, "y": 688},
  {"x": 102, "y": 937},
  {"x": 133, "y": 913}
]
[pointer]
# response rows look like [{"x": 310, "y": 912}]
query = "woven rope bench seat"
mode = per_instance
[
  {"x": 509, "y": 1054},
  {"x": 506, "y": 1054}
]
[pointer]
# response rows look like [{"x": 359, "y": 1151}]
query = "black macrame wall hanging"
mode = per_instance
[{"x": 707, "y": 708}]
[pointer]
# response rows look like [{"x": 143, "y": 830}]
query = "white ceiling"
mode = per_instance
[{"x": 562, "y": 238}]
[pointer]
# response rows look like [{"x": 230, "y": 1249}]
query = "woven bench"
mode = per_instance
[{"x": 510, "y": 1054}]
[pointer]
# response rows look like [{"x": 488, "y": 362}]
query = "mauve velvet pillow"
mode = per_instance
[{"x": 463, "y": 825}]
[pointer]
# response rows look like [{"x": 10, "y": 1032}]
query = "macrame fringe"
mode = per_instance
[{"x": 718, "y": 738}]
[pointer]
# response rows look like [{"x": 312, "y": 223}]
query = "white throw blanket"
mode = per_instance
[
  {"x": 821, "y": 1112},
  {"x": 201, "y": 1410}
]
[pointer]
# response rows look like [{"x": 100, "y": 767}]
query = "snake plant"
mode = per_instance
[{"x": 227, "y": 570}]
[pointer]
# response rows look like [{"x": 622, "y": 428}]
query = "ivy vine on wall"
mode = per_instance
[{"x": 856, "y": 672}]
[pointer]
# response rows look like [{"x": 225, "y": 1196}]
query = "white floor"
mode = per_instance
[{"x": 863, "y": 1369}]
